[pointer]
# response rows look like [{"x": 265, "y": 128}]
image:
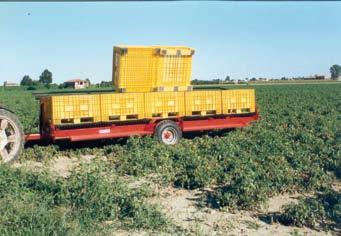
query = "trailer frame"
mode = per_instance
[{"x": 115, "y": 130}]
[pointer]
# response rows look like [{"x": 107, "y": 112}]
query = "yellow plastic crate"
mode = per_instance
[
  {"x": 203, "y": 102},
  {"x": 174, "y": 67},
  {"x": 46, "y": 111},
  {"x": 238, "y": 101},
  {"x": 149, "y": 68},
  {"x": 71, "y": 109},
  {"x": 164, "y": 104},
  {"x": 122, "y": 106}
]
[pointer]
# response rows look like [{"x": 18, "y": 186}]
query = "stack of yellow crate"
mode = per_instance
[
  {"x": 152, "y": 82},
  {"x": 158, "y": 75}
]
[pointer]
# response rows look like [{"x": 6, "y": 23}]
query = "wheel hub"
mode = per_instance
[{"x": 168, "y": 136}]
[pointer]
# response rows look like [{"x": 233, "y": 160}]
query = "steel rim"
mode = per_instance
[
  {"x": 169, "y": 136},
  {"x": 9, "y": 139}
]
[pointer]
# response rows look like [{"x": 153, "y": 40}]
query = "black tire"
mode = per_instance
[
  {"x": 168, "y": 128},
  {"x": 11, "y": 137}
]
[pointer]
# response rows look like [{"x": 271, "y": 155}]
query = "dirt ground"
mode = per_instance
[{"x": 181, "y": 206}]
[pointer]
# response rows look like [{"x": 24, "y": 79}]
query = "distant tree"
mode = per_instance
[
  {"x": 35, "y": 83},
  {"x": 45, "y": 77},
  {"x": 195, "y": 81},
  {"x": 105, "y": 84},
  {"x": 284, "y": 78},
  {"x": 253, "y": 79},
  {"x": 319, "y": 77},
  {"x": 227, "y": 78},
  {"x": 31, "y": 88},
  {"x": 26, "y": 81},
  {"x": 335, "y": 71},
  {"x": 217, "y": 81},
  {"x": 88, "y": 81},
  {"x": 201, "y": 82}
]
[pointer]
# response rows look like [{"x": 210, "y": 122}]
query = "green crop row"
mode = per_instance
[
  {"x": 295, "y": 147},
  {"x": 88, "y": 202},
  {"x": 323, "y": 211},
  {"x": 24, "y": 105}
]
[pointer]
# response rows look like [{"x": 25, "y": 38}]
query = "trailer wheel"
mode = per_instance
[
  {"x": 11, "y": 137},
  {"x": 168, "y": 132}
]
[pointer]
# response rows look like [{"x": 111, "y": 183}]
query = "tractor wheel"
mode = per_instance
[
  {"x": 11, "y": 137},
  {"x": 168, "y": 132}
]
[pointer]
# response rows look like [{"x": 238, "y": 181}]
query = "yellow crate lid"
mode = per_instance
[{"x": 162, "y": 50}]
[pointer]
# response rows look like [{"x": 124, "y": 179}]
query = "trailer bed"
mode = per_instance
[{"x": 109, "y": 131}]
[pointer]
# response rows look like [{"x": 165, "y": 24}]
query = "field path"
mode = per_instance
[{"x": 181, "y": 206}]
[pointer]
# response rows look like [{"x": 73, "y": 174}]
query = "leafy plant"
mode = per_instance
[
  {"x": 322, "y": 211},
  {"x": 35, "y": 204}
]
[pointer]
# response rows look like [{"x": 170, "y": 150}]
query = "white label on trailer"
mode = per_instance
[{"x": 104, "y": 131}]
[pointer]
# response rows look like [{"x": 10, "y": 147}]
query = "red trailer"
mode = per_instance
[{"x": 168, "y": 131}]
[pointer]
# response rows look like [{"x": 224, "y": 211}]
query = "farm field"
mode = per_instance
[{"x": 279, "y": 176}]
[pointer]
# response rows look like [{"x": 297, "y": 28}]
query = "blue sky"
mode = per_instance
[{"x": 240, "y": 39}]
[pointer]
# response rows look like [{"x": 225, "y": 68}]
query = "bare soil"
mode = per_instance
[{"x": 181, "y": 206}]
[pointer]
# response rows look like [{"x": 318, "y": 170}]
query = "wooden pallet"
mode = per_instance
[
  {"x": 204, "y": 113},
  {"x": 123, "y": 117},
  {"x": 238, "y": 111},
  {"x": 165, "y": 115},
  {"x": 80, "y": 120},
  {"x": 173, "y": 88}
]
